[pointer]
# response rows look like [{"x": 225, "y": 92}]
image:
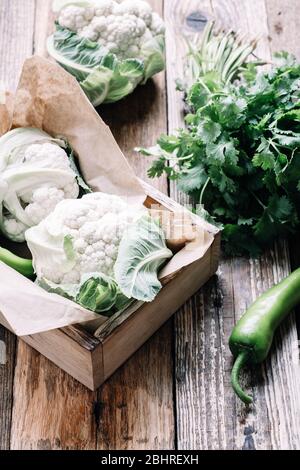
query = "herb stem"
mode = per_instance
[
  {"x": 258, "y": 200},
  {"x": 178, "y": 159},
  {"x": 204, "y": 86},
  {"x": 203, "y": 190},
  {"x": 273, "y": 145}
]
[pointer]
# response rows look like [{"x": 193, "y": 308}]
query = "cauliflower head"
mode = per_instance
[
  {"x": 109, "y": 46},
  {"x": 122, "y": 27},
  {"x": 81, "y": 236},
  {"x": 100, "y": 251},
  {"x": 35, "y": 175}
]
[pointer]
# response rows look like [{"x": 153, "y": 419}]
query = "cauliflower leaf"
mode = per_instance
[{"x": 142, "y": 252}]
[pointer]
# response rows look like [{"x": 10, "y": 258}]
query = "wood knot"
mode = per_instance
[
  {"x": 196, "y": 21},
  {"x": 249, "y": 443},
  {"x": 278, "y": 27}
]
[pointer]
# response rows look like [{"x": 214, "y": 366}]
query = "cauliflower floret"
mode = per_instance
[
  {"x": 89, "y": 33},
  {"x": 102, "y": 238},
  {"x": 15, "y": 228},
  {"x": 43, "y": 178},
  {"x": 75, "y": 17},
  {"x": 47, "y": 155},
  {"x": 70, "y": 277},
  {"x": 117, "y": 35},
  {"x": 104, "y": 7},
  {"x": 105, "y": 203},
  {"x": 71, "y": 190},
  {"x": 132, "y": 51},
  {"x": 95, "y": 223},
  {"x": 120, "y": 27},
  {"x": 80, "y": 245},
  {"x": 157, "y": 25},
  {"x": 140, "y": 9},
  {"x": 44, "y": 200},
  {"x": 99, "y": 24},
  {"x": 37, "y": 176},
  {"x": 140, "y": 27}
]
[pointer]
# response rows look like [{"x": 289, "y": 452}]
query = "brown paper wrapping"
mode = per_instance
[
  {"x": 6, "y": 109},
  {"x": 49, "y": 98}
]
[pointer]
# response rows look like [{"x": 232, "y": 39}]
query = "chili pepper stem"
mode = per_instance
[{"x": 240, "y": 361}]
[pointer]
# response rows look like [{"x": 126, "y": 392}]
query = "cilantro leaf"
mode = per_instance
[
  {"x": 266, "y": 160},
  {"x": 221, "y": 151},
  {"x": 157, "y": 168},
  {"x": 168, "y": 143},
  {"x": 192, "y": 179},
  {"x": 208, "y": 131}
]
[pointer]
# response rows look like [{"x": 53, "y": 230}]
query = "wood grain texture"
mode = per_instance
[
  {"x": 7, "y": 364},
  {"x": 139, "y": 118},
  {"x": 208, "y": 414},
  {"x": 16, "y": 20},
  {"x": 69, "y": 416},
  {"x": 69, "y": 354},
  {"x": 284, "y": 25},
  {"x": 16, "y": 38},
  {"x": 51, "y": 410},
  {"x": 44, "y": 26},
  {"x": 135, "y": 408}
]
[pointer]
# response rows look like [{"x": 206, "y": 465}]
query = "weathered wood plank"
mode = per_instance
[
  {"x": 136, "y": 404},
  {"x": 16, "y": 38},
  {"x": 7, "y": 363},
  {"x": 16, "y": 20},
  {"x": 284, "y": 25},
  {"x": 53, "y": 411},
  {"x": 44, "y": 26},
  {"x": 208, "y": 414}
]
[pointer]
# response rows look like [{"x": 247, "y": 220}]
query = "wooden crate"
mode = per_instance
[{"x": 92, "y": 358}]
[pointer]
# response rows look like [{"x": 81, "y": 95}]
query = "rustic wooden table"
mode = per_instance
[{"x": 175, "y": 392}]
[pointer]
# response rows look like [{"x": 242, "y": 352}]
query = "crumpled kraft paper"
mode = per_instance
[
  {"x": 6, "y": 109},
  {"x": 49, "y": 98}
]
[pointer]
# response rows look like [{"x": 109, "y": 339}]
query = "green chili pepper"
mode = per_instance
[
  {"x": 22, "y": 265},
  {"x": 252, "y": 337}
]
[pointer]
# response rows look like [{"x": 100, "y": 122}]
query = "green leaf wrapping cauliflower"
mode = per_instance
[
  {"x": 36, "y": 173},
  {"x": 109, "y": 46},
  {"x": 99, "y": 251}
]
